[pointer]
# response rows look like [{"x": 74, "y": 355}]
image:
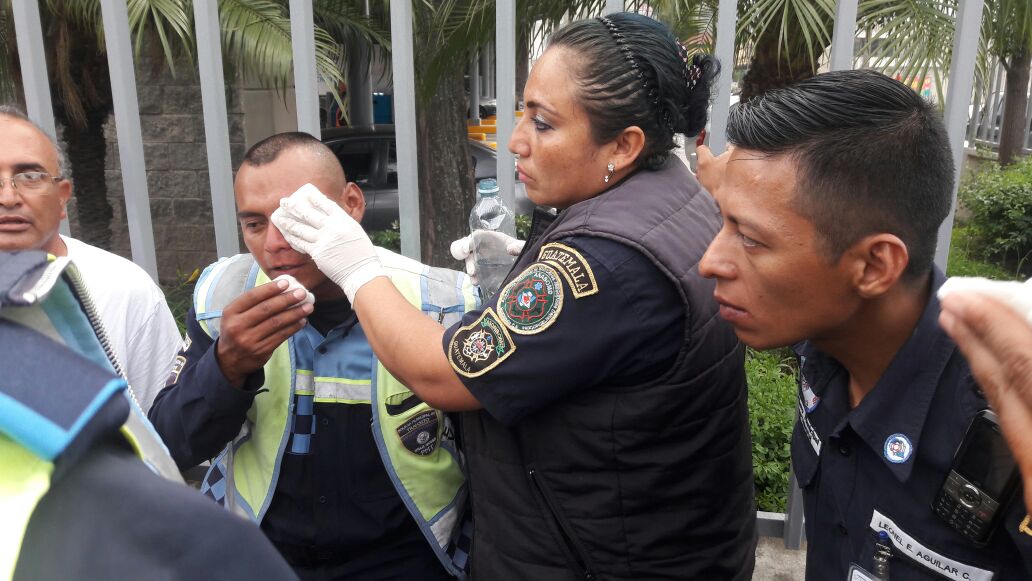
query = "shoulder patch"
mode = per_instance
[
  {"x": 480, "y": 346},
  {"x": 573, "y": 266},
  {"x": 532, "y": 301}
]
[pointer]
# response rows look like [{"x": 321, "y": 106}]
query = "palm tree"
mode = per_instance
[{"x": 1007, "y": 38}]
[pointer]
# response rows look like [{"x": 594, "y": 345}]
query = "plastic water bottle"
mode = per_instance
[{"x": 490, "y": 257}]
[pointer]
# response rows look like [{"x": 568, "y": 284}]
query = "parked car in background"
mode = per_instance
[{"x": 370, "y": 159}]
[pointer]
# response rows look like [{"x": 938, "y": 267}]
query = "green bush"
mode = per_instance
[
  {"x": 522, "y": 226},
  {"x": 389, "y": 238},
  {"x": 772, "y": 395},
  {"x": 179, "y": 296},
  {"x": 967, "y": 258},
  {"x": 1000, "y": 203}
]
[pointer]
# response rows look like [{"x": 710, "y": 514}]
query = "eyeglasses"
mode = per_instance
[{"x": 30, "y": 181}]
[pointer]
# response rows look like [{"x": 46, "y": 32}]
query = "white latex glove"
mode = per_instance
[
  {"x": 313, "y": 224},
  {"x": 1014, "y": 294},
  {"x": 462, "y": 249},
  {"x": 292, "y": 285}
]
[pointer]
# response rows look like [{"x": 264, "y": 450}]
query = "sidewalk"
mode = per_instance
[{"x": 776, "y": 563}]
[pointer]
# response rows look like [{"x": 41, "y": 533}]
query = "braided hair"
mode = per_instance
[{"x": 632, "y": 71}]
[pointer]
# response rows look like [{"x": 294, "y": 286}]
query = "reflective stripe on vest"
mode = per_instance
[
  {"x": 431, "y": 484},
  {"x": 332, "y": 389},
  {"x": 26, "y": 478}
]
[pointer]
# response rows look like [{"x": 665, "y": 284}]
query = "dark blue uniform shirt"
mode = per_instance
[
  {"x": 626, "y": 333},
  {"x": 335, "y": 511},
  {"x": 881, "y": 465}
]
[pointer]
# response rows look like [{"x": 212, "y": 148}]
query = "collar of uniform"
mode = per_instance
[{"x": 900, "y": 400}]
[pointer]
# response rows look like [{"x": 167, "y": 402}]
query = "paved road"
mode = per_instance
[{"x": 776, "y": 563}]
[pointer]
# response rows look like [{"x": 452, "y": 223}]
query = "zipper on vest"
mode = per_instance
[
  {"x": 573, "y": 548},
  {"x": 86, "y": 300}
]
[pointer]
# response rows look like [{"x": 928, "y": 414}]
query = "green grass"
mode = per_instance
[{"x": 966, "y": 260}]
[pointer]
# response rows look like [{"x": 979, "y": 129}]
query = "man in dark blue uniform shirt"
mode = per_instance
[
  {"x": 295, "y": 391},
  {"x": 832, "y": 198}
]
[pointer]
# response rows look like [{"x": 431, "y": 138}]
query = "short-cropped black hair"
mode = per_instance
[
  {"x": 268, "y": 149},
  {"x": 872, "y": 156}
]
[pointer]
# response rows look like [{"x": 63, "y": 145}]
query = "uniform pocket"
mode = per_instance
[{"x": 571, "y": 546}]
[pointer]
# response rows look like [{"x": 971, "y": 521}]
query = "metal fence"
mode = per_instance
[
  {"x": 983, "y": 129},
  {"x": 130, "y": 145}
]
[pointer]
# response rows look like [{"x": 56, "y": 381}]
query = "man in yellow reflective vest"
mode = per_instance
[{"x": 349, "y": 474}]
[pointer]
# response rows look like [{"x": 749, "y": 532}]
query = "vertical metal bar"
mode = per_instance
[
  {"x": 962, "y": 73},
  {"x": 302, "y": 39},
  {"x": 485, "y": 64},
  {"x": 491, "y": 71},
  {"x": 29, "y": 35},
  {"x": 845, "y": 34},
  {"x": 992, "y": 132},
  {"x": 727, "y": 20},
  {"x": 614, "y": 6},
  {"x": 360, "y": 89},
  {"x": 976, "y": 106},
  {"x": 794, "y": 513},
  {"x": 33, "y": 61},
  {"x": 474, "y": 88},
  {"x": 505, "y": 76},
  {"x": 985, "y": 125},
  {"x": 405, "y": 125},
  {"x": 130, "y": 138},
  {"x": 1028, "y": 122},
  {"x": 216, "y": 127}
]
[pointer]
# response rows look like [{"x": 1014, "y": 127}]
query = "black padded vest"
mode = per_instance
[{"x": 652, "y": 481}]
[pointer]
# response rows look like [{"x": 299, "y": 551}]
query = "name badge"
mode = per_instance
[
  {"x": 858, "y": 573},
  {"x": 912, "y": 548}
]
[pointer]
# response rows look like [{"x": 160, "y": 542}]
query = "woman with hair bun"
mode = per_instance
[{"x": 606, "y": 432}]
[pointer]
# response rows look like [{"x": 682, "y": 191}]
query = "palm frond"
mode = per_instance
[
  {"x": 168, "y": 18},
  {"x": 256, "y": 38}
]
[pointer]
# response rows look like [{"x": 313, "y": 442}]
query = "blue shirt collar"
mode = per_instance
[{"x": 899, "y": 402}]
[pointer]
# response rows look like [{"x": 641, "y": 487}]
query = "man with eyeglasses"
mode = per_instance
[{"x": 34, "y": 191}]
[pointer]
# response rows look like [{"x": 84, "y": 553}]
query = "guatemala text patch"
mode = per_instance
[
  {"x": 573, "y": 266},
  {"x": 478, "y": 347},
  {"x": 532, "y": 301}
]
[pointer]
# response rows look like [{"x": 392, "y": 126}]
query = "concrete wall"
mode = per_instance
[{"x": 177, "y": 168}]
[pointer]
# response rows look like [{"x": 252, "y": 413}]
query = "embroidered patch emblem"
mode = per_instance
[
  {"x": 898, "y": 448},
  {"x": 1024, "y": 528},
  {"x": 574, "y": 267},
  {"x": 419, "y": 433},
  {"x": 532, "y": 301},
  {"x": 480, "y": 346},
  {"x": 810, "y": 399}
]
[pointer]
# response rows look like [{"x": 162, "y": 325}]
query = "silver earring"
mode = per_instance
[{"x": 610, "y": 168}]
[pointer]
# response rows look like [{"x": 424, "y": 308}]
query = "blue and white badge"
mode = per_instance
[{"x": 898, "y": 448}]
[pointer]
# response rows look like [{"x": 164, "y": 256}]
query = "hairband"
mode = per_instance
[
  {"x": 690, "y": 72},
  {"x": 621, "y": 43}
]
